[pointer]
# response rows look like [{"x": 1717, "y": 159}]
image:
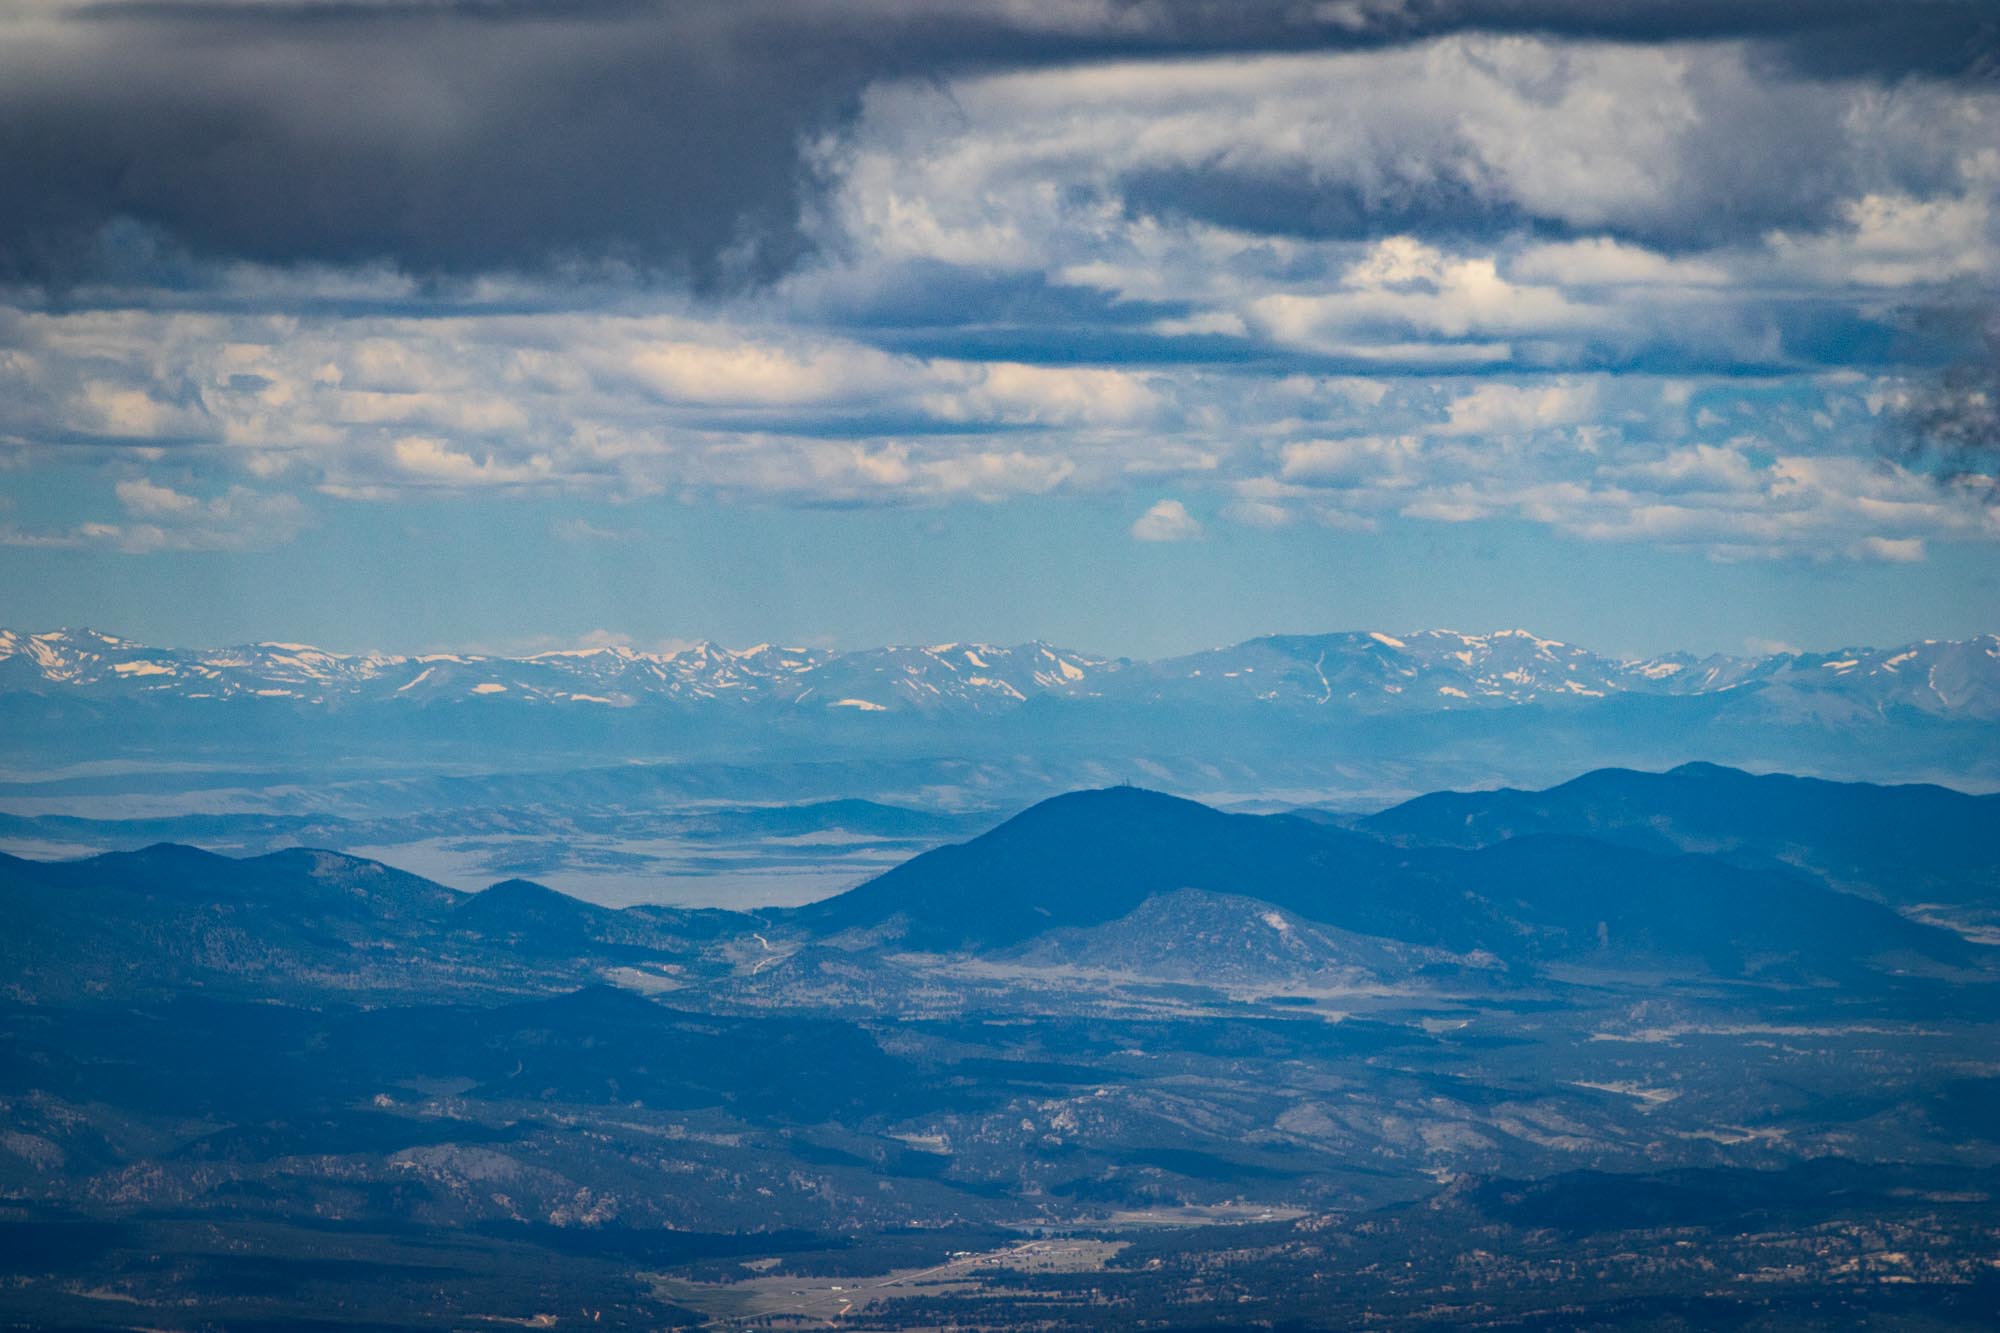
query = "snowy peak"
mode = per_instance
[
  {"x": 1362, "y": 672},
  {"x": 1374, "y": 670},
  {"x": 950, "y": 675}
]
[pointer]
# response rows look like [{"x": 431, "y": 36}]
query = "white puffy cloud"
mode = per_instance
[
  {"x": 1892, "y": 550},
  {"x": 1694, "y": 468},
  {"x": 1414, "y": 290},
  {"x": 148, "y": 500},
  {"x": 1012, "y": 393},
  {"x": 1498, "y": 409},
  {"x": 745, "y": 373},
  {"x": 161, "y": 518},
  {"x": 428, "y": 460},
  {"x": 1367, "y": 460},
  {"x": 1897, "y": 240},
  {"x": 1166, "y": 521},
  {"x": 369, "y": 409}
]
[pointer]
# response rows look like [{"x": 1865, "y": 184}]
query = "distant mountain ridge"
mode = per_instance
[
  {"x": 903, "y": 678},
  {"x": 1911, "y": 846},
  {"x": 1360, "y": 672},
  {"x": 1086, "y": 860},
  {"x": 1117, "y": 879}
]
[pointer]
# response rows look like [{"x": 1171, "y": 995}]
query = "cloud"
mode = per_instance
[
  {"x": 1166, "y": 521},
  {"x": 1777, "y": 468},
  {"x": 581, "y": 530},
  {"x": 1630, "y": 149},
  {"x": 1947, "y": 421},
  {"x": 1893, "y": 239},
  {"x": 426, "y": 460},
  {"x": 1694, "y": 468},
  {"x": 744, "y": 373},
  {"x": 846, "y": 473},
  {"x": 1816, "y": 508},
  {"x": 237, "y": 519},
  {"x": 1017, "y": 394},
  {"x": 161, "y": 518},
  {"x": 1604, "y": 261},
  {"x": 1892, "y": 550},
  {"x": 1369, "y": 460},
  {"x": 1500, "y": 408},
  {"x": 147, "y": 500},
  {"x": 1318, "y": 267},
  {"x": 1411, "y": 289},
  {"x": 462, "y": 136},
  {"x": 1509, "y": 203},
  {"x": 1255, "y": 513}
]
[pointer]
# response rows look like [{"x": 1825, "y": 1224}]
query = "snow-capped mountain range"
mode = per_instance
[
  {"x": 878, "y": 680},
  {"x": 1361, "y": 672}
]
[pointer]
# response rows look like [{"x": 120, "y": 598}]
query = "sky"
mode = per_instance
[{"x": 1135, "y": 326}]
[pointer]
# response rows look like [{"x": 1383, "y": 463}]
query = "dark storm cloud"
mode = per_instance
[
  {"x": 462, "y": 136},
  {"x": 1950, "y": 421},
  {"x": 449, "y": 140},
  {"x": 1736, "y": 185},
  {"x": 1284, "y": 205}
]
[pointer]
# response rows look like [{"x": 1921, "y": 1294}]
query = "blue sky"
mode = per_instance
[
  {"x": 1088, "y": 325},
  {"x": 439, "y": 573}
]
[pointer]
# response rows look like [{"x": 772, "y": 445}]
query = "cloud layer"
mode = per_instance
[
  {"x": 1633, "y": 273},
  {"x": 459, "y": 135}
]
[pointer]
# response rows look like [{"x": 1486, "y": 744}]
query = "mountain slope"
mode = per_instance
[
  {"x": 1090, "y": 858},
  {"x": 1213, "y": 938},
  {"x": 299, "y": 922},
  {"x": 1904, "y": 844}
]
